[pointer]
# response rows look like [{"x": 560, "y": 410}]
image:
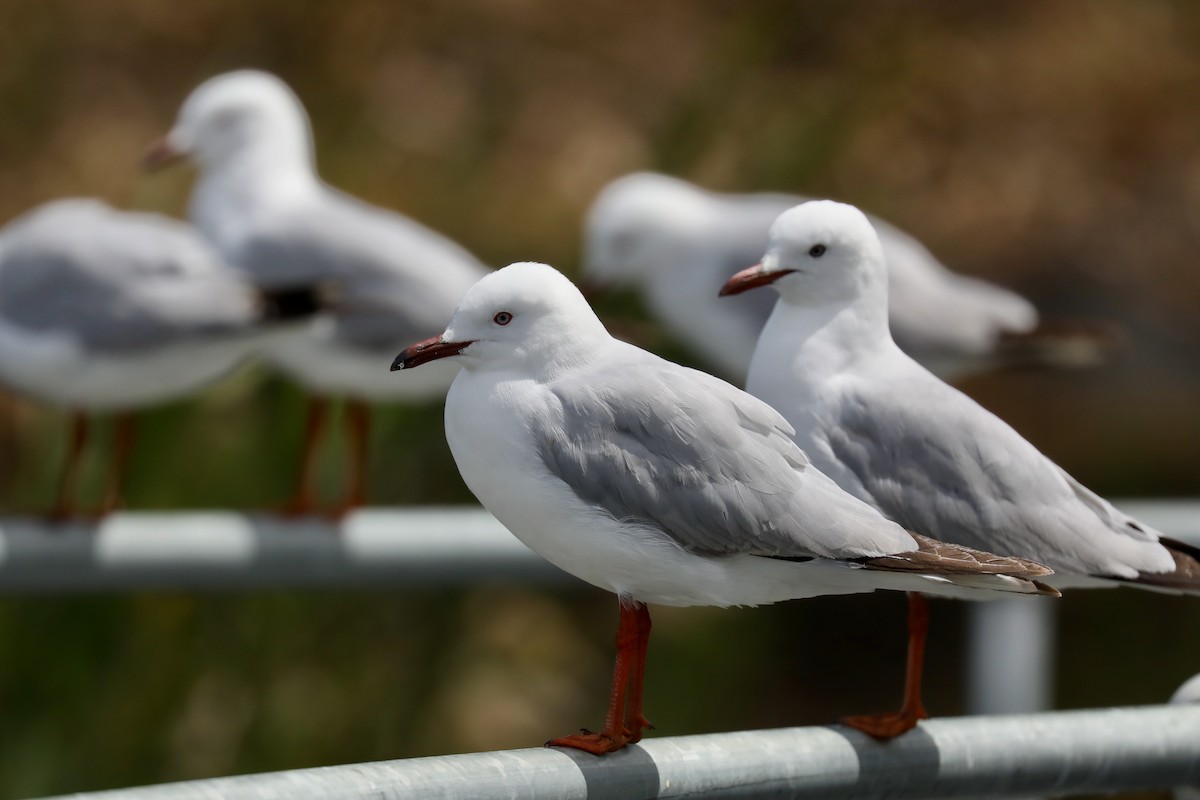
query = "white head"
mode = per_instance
[
  {"x": 820, "y": 253},
  {"x": 637, "y": 223},
  {"x": 526, "y": 317},
  {"x": 235, "y": 114}
]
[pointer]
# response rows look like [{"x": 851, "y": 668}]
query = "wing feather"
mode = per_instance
[
  {"x": 397, "y": 281},
  {"x": 962, "y": 475},
  {"x": 117, "y": 281},
  {"x": 712, "y": 467}
]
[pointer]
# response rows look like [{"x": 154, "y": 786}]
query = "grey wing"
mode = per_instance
[
  {"x": 713, "y": 468},
  {"x": 935, "y": 310},
  {"x": 396, "y": 281},
  {"x": 934, "y": 461},
  {"x": 117, "y": 281}
]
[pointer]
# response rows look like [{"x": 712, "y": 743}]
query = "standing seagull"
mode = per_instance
[
  {"x": 892, "y": 434},
  {"x": 656, "y": 482},
  {"x": 678, "y": 243},
  {"x": 110, "y": 311},
  {"x": 260, "y": 201}
]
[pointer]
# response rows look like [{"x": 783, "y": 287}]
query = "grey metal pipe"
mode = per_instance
[
  {"x": 226, "y": 550},
  {"x": 214, "y": 550},
  {"x": 1120, "y": 749}
]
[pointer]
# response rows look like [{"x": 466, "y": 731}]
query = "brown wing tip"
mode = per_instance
[
  {"x": 944, "y": 557},
  {"x": 1046, "y": 589},
  {"x": 1185, "y": 577}
]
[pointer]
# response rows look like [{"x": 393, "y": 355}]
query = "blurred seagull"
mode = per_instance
[
  {"x": 677, "y": 244},
  {"x": 111, "y": 311},
  {"x": 892, "y": 434},
  {"x": 656, "y": 482},
  {"x": 260, "y": 201}
]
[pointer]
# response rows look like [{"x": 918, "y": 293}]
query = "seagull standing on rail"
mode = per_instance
[
  {"x": 111, "y": 311},
  {"x": 656, "y": 482},
  {"x": 895, "y": 436},
  {"x": 677, "y": 244},
  {"x": 260, "y": 201}
]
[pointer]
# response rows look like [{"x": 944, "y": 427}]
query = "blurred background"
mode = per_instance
[{"x": 1051, "y": 147}]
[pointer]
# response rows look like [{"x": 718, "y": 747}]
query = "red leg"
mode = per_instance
[
  {"x": 358, "y": 423},
  {"x": 118, "y": 465},
  {"x": 630, "y": 640},
  {"x": 64, "y": 504},
  {"x": 634, "y": 720},
  {"x": 890, "y": 725},
  {"x": 304, "y": 498}
]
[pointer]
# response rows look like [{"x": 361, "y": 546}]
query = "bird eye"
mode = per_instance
[
  {"x": 817, "y": 250},
  {"x": 502, "y": 318}
]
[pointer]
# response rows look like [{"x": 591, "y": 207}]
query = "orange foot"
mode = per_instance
[
  {"x": 635, "y": 735},
  {"x": 595, "y": 743},
  {"x": 885, "y": 726}
]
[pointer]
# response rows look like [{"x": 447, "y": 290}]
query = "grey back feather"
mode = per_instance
[
  {"x": 653, "y": 443},
  {"x": 396, "y": 281},
  {"x": 116, "y": 281}
]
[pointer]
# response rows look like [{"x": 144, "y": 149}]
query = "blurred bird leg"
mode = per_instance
[
  {"x": 624, "y": 722},
  {"x": 303, "y": 500},
  {"x": 124, "y": 435},
  {"x": 892, "y": 724},
  {"x": 358, "y": 429},
  {"x": 64, "y": 504}
]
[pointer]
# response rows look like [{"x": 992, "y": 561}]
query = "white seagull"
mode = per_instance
[
  {"x": 260, "y": 201},
  {"x": 895, "y": 436},
  {"x": 677, "y": 244},
  {"x": 656, "y": 482},
  {"x": 109, "y": 311}
]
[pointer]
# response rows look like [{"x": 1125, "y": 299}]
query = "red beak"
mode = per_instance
[
  {"x": 752, "y": 278},
  {"x": 159, "y": 155},
  {"x": 428, "y": 350}
]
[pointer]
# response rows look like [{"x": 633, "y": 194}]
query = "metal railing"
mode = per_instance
[
  {"x": 215, "y": 550},
  {"x": 1117, "y": 749},
  {"x": 373, "y": 547}
]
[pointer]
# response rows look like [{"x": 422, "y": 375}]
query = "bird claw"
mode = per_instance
[
  {"x": 885, "y": 726},
  {"x": 641, "y": 723},
  {"x": 595, "y": 743}
]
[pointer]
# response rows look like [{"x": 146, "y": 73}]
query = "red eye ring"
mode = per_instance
[{"x": 502, "y": 317}]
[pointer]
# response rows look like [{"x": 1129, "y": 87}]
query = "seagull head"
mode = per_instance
[
  {"x": 526, "y": 317},
  {"x": 638, "y": 223},
  {"x": 231, "y": 115},
  {"x": 819, "y": 252}
]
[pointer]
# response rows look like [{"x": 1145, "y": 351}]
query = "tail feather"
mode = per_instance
[
  {"x": 1186, "y": 576},
  {"x": 1060, "y": 343},
  {"x": 293, "y": 302}
]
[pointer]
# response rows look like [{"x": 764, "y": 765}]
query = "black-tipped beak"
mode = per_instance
[
  {"x": 431, "y": 349},
  {"x": 160, "y": 154},
  {"x": 752, "y": 278}
]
